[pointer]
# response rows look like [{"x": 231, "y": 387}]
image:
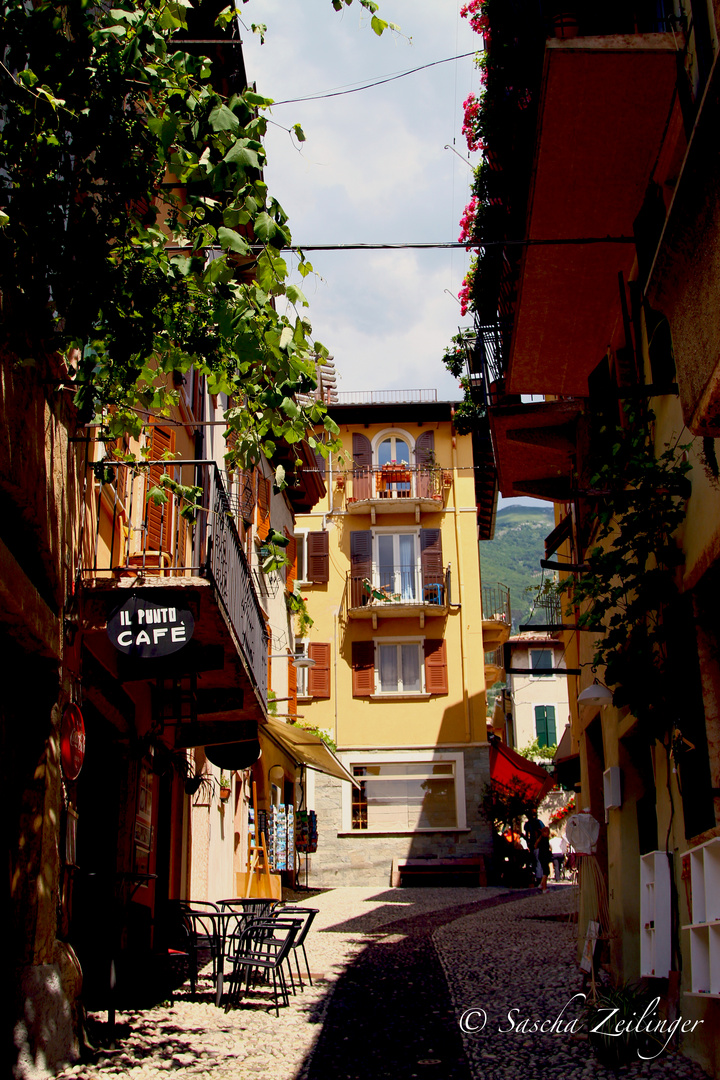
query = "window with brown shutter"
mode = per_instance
[
  {"x": 436, "y": 673},
  {"x": 263, "y": 504},
  {"x": 424, "y": 462},
  {"x": 363, "y": 668},
  {"x": 431, "y": 560},
  {"x": 360, "y": 565},
  {"x": 292, "y": 689},
  {"x": 362, "y": 466},
  {"x": 318, "y": 549},
  {"x": 159, "y": 535},
  {"x": 319, "y": 676},
  {"x": 247, "y": 494},
  {"x": 291, "y": 571}
]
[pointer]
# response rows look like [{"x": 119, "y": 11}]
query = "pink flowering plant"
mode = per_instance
[
  {"x": 476, "y": 13},
  {"x": 465, "y": 296}
]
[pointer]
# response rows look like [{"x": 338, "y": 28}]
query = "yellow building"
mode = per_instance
[{"x": 389, "y": 564}]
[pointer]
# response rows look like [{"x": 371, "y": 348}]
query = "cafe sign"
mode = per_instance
[{"x": 144, "y": 629}]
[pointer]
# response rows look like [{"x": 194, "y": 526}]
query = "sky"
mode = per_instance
[{"x": 373, "y": 170}]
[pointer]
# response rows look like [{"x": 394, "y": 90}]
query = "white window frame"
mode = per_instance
[
  {"x": 301, "y": 543},
  {"x": 404, "y": 757},
  {"x": 392, "y": 433},
  {"x": 419, "y": 642},
  {"x": 301, "y": 649},
  {"x": 390, "y": 531},
  {"x": 546, "y": 674}
]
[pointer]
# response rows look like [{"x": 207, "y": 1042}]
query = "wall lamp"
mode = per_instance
[
  {"x": 300, "y": 660},
  {"x": 596, "y": 694}
]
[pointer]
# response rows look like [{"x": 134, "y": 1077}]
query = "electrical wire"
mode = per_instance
[{"x": 323, "y": 95}]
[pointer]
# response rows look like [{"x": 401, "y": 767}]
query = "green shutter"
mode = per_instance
[{"x": 545, "y": 725}]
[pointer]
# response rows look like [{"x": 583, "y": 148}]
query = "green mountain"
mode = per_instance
[{"x": 513, "y": 556}]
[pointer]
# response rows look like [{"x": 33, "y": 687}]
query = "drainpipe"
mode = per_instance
[
  {"x": 336, "y": 617},
  {"x": 461, "y": 591}
]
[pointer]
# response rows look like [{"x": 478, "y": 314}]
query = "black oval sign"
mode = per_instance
[{"x": 143, "y": 628}]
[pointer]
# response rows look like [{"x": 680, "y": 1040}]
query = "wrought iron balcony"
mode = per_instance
[
  {"x": 396, "y": 591},
  {"x": 171, "y": 526},
  {"x": 394, "y": 488}
]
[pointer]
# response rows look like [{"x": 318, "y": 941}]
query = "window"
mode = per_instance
[
  {"x": 301, "y": 541},
  {"x": 393, "y": 449},
  {"x": 545, "y": 725},
  {"x": 404, "y": 791},
  {"x": 301, "y": 649},
  {"x": 541, "y": 663},
  {"x": 397, "y": 564},
  {"x": 399, "y": 668}
]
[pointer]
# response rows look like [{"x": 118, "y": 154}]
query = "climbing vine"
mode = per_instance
[
  {"x": 138, "y": 238},
  {"x": 630, "y": 580}
]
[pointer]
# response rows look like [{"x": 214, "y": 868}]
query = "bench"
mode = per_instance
[{"x": 471, "y": 868}]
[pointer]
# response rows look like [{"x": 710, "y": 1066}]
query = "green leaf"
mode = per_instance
[
  {"x": 255, "y": 99},
  {"x": 222, "y": 119},
  {"x": 291, "y": 409},
  {"x": 264, "y": 227},
  {"x": 285, "y": 339},
  {"x": 299, "y": 133},
  {"x": 296, "y": 295},
  {"x": 233, "y": 241},
  {"x": 241, "y": 154}
]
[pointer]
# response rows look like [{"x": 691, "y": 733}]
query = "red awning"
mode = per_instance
[{"x": 507, "y": 767}]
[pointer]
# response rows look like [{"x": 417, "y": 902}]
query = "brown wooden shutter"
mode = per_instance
[
  {"x": 159, "y": 516},
  {"x": 247, "y": 495},
  {"x": 291, "y": 552},
  {"x": 263, "y": 502},
  {"x": 362, "y": 466},
  {"x": 436, "y": 673},
  {"x": 424, "y": 455},
  {"x": 318, "y": 549},
  {"x": 292, "y": 689},
  {"x": 363, "y": 668},
  {"x": 360, "y": 566},
  {"x": 319, "y": 676},
  {"x": 431, "y": 561}
]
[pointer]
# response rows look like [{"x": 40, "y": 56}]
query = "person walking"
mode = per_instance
[
  {"x": 558, "y": 847},
  {"x": 544, "y": 857}
]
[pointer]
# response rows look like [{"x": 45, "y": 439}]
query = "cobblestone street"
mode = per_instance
[{"x": 394, "y": 970}]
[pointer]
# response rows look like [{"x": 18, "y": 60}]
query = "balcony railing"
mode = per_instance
[
  {"x": 496, "y": 603},
  {"x": 386, "y": 397},
  {"x": 176, "y": 520},
  {"x": 395, "y": 482},
  {"x": 385, "y": 588}
]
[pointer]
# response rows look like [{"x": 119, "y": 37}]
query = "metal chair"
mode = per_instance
[
  {"x": 307, "y": 916},
  {"x": 264, "y": 945}
]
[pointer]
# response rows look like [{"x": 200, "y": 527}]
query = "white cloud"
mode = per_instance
[{"x": 373, "y": 170}]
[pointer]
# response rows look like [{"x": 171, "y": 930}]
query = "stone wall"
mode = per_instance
[{"x": 366, "y": 859}]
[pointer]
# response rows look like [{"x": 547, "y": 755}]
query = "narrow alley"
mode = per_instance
[{"x": 394, "y": 972}]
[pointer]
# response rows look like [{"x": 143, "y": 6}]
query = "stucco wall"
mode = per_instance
[{"x": 365, "y": 859}]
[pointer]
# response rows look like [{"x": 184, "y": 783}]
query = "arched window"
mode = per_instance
[{"x": 393, "y": 448}]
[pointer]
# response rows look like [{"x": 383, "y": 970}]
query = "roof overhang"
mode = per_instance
[
  {"x": 604, "y": 107},
  {"x": 306, "y": 749},
  {"x": 535, "y": 447}
]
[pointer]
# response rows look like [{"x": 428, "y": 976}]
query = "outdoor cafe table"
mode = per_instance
[{"x": 227, "y": 925}]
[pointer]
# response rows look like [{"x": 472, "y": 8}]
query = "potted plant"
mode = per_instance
[{"x": 225, "y": 787}]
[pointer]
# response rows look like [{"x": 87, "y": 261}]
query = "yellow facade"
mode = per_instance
[{"x": 404, "y": 618}]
